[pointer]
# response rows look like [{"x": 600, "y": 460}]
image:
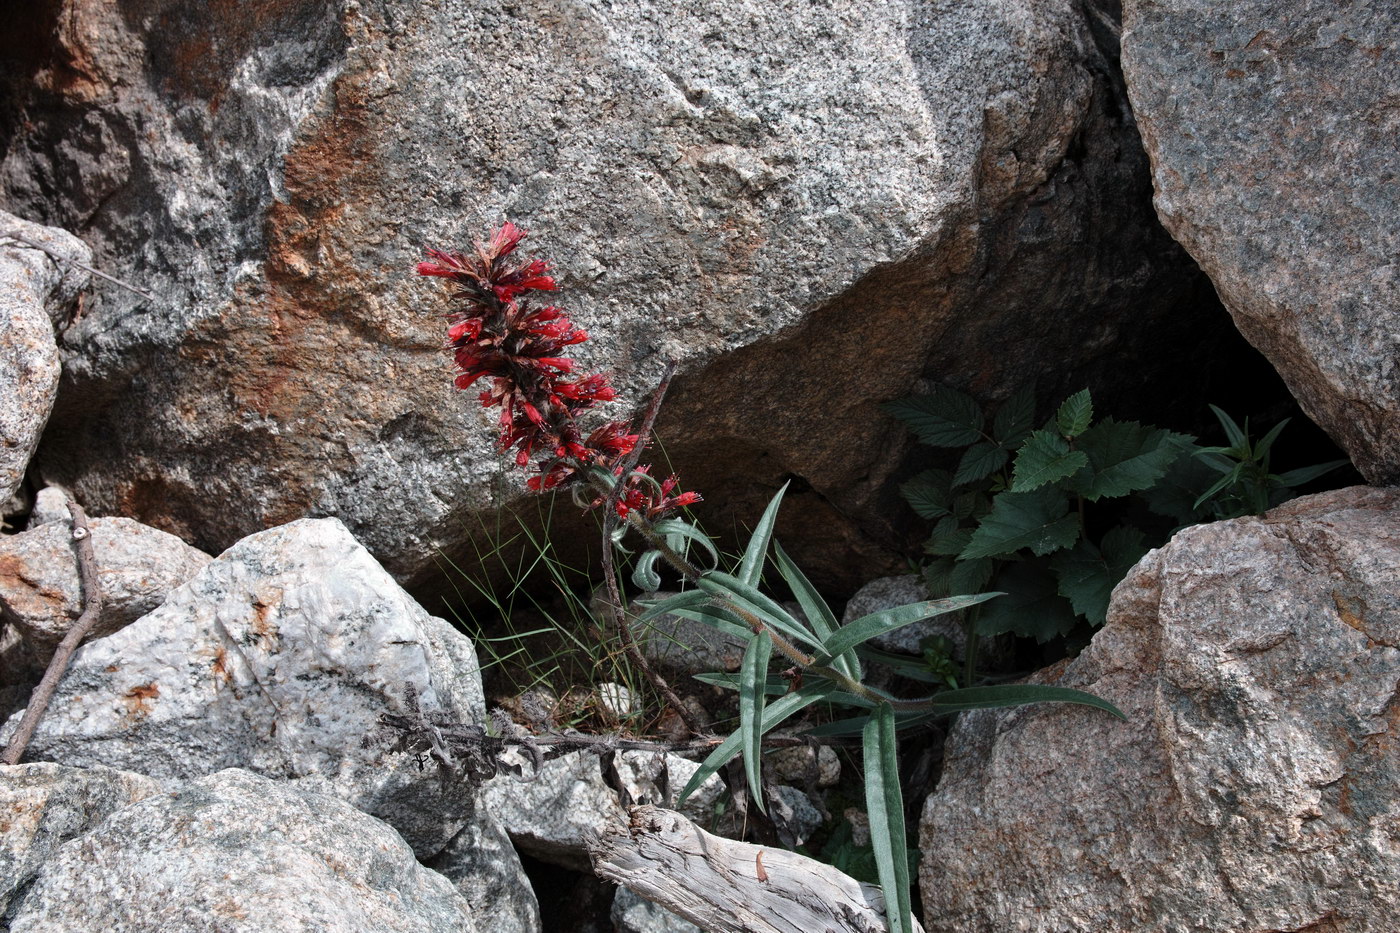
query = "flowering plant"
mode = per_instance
[{"x": 498, "y": 333}]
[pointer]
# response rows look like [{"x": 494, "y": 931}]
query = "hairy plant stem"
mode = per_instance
[{"x": 92, "y": 610}]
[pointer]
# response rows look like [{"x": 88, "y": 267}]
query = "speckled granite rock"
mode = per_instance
[
  {"x": 44, "y": 805},
  {"x": 1253, "y": 785},
  {"x": 235, "y": 851},
  {"x": 279, "y": 657},
  {"x": 36, "y": 294},
  {"x": 731, "y": 183},
  {"x": 1271, "y": 127}
]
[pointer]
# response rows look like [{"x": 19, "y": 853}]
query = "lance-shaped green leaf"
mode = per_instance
[
  {"x": 884, "y": 805},
  {"x": 716, "y": 617},
  {"x": 751, "y": 565},
  {"x": 943, "y": 418},
  {"x": 675, "y": 528},
  {"x": 774, "y": 686},
  {"x": 1002, "y": 695},
  {"x": 773, "y": 715},
  {"x": 1045, "y": 458},
  {"x": 818, "y": 613},
  {"x": 1040, "y": 521},
  {"x": 753, "y": 673},
  {"x": 1075, "y": 414},
  {"x": 1307, "y": 474},
  {"x": 686, "y": 600},
  {"x": 746, "y": 598},
  {"x": 877, "y": 623}
]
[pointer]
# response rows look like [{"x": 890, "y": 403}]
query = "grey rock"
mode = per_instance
[
  {"x": 278, "y": 657},
  {"x": 36, "y": 293},
  {"x": 1252, "y": 786},
  {"x": 50, "y": 505},
  {"x": 634, "y": 914},
  {"x": 40, "y": 593},
  {"x": 731, "y": 183},
  {"x": 1283, "y": 189},
  {"x": 797, "y": 818},
  {"x": 235, "y": 851},
  {"x": 815, "y": 765},
  {"x": 483, "y": 865},
  {"x": 551, "y": 816},
  {"x": 44, "y": 805}
]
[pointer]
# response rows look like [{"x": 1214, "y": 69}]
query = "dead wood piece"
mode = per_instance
[
  {"x": 92, "y": 611},
  {"x": 725, "y": 886}
]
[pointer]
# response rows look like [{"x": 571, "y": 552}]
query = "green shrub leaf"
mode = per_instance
[
  {"x": 929, "y": 493},
  {"x": 943, "y": 418},
  {"x": 1015, "y": 418},
  {"x": 1124, "y": 457},
  {"x": 1045, "y": 458},
  {"x": 947, "y": 538},
  {"x": 979, "y": 461},
  {"x": 1075, "y": 414},
  {"x": 1088, "y": 574},
  {"x": 884, "y": 804},
  {"x": 1038, "y": 520},
  {"x": 1032, "y": 607}
]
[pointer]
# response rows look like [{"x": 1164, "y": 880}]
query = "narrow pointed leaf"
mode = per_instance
[
  {"x": 773, "y": 714},
  {"x": 877, "y": 623},
  {"x": 644, "y": 573},
  {"x": 1003, "y": 695},
  {"x": 686, "y": 600},
  {"x": 750, "y": 600},
  {"x": 751, "y": 566},
  {"x": 1307, "y": 474},
  {"x": 716, "y": 617},
  {"x": 752, "y": 675},
  {"x": 1261, "y": 449},
  {"x": 818, "y": 613},
  {"x": 1237, "y": 437},
  {"x": 774, "y": 685},
  {"x": 884, "y": 805},
  {"x": 674, "y": 526}
]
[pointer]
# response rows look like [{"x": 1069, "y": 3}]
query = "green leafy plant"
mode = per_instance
[
  {"x": 498, "y": 335},
  {"x": 1031, "y": 512}
]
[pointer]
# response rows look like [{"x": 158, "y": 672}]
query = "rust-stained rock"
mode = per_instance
[
  {"x": 1253, "y": 785},
  {"x": 810, "y": 206},
  {"x": 136, "y": 566},
  {"x": 1271, "y": 127}
]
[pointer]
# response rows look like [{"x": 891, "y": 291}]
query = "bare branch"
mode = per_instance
[
  {"x": 92, "y": 611},
  {"x": 21, "y": 238}
]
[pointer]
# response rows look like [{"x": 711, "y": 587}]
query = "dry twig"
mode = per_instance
[{"x": 92, "y": 610}]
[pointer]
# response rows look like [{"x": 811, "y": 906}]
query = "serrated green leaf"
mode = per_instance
[
  {"x": 969, "y": 504},
  {"x": 877, "y": 623},
  {"x": 751, "y": 566},
  {"x": 948, "y": 538},
  {"x": 978, "y": 462},
  {"x": 818, "y": 613},
  {"x": 971, "y": 576},
  {"x": 1038, "y": 520},
  {"x": 929, "y": 493},
  {"x": 1124, "y": 457},
  {"x": 1174, "y": 493},
  {"x": 737, "y": 595},
  {"x": 1075, "y": 414},
  {"x": 884, "y": 804},
  {"x": 753, "y": 673},
  {"x": 943, "y": 418},
  {"x": 774, "y": 714},
  {"x": 1087, "y": 575},
  {"x": 1032, "y": 607},
  {"x": 1015, "y": 418},
  {"x": 938, "y": 575},
  {"x": 1045, "y": 458}
]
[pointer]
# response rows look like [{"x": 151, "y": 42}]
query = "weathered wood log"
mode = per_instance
[{"x": 724, "y": 886}]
